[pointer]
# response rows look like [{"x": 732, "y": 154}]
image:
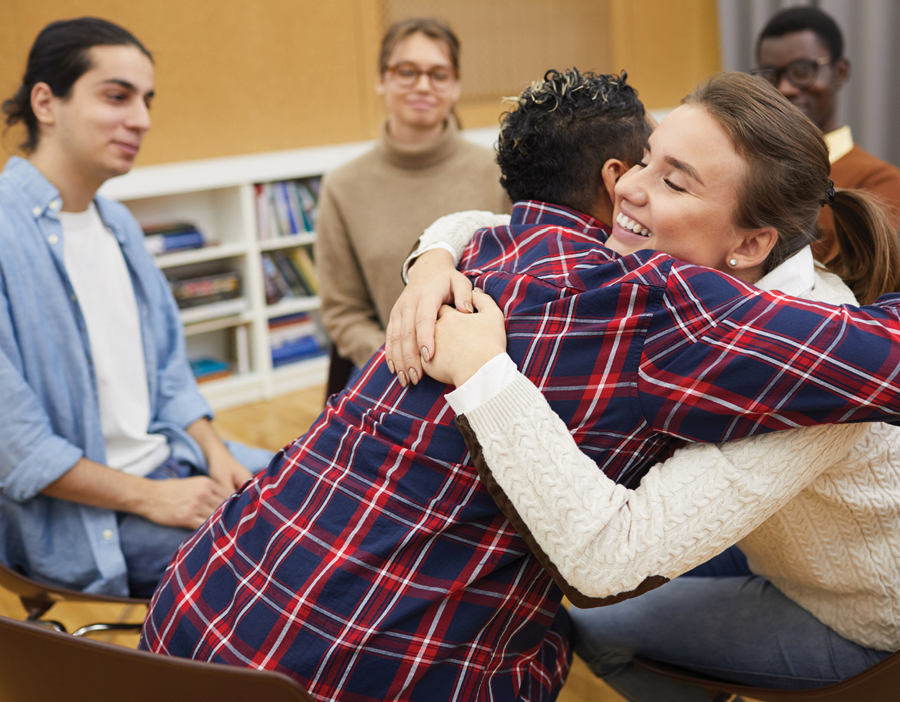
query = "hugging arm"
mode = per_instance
[{"x": 603, "y": 542}]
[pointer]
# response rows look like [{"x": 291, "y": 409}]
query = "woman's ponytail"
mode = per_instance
[{"x": 868, "y": 252}]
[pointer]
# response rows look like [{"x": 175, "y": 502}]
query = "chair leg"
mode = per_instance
[
  {"x": 32, "y": 618},
  {"x": 100, "y": 627}
]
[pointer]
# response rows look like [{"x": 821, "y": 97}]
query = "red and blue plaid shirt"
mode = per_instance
[{"x": 368, "y": 561}]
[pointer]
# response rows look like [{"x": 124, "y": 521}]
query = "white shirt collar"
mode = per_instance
[
  {"x": 796, "y": 276},
  {"x": 840, "y": 142}
]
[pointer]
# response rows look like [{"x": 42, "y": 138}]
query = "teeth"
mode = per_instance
[{"x": 631, "y": 225}]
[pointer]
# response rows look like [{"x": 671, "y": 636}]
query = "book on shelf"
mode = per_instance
[
  {"x": 287, "y": 207},
  {"x": 206, "y": 289},
  {"x": 295, "y": 337},
  {"x": 288, "y": 274},
  {"x": 302, "y": 259},
  {"x": 291, "y": 274},
  {"x": 172, "y": 236},
  {"x": 274, "y": 281},
  {"x": 206, "y": 369}
]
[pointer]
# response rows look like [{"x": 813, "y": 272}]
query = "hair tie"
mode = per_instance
[{"x": 829, "y": 194}]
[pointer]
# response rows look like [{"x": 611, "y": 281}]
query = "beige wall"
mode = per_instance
[{"x": 236, "y": 77}]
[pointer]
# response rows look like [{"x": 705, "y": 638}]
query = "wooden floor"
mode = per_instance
[{"x": 271, "y": 425}]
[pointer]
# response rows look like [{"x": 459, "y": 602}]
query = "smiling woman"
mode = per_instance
[
  {"x": 685, "y": 187},
  {"x": 734, "y": 180},
  {"x": 372, "y": 209}
]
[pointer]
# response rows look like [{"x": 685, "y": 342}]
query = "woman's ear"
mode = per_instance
[{"x": 754, "y": 248}]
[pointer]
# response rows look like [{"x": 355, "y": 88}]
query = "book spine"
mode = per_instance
[
  {"x": 307, "y": 269},
  {"x": 271, "y": 270}
]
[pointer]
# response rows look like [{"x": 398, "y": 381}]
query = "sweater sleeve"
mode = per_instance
[
  {"x": 602, "y": 542},
  {"x": 452, "y": 233},
  {"x": 348, "y": 311}
]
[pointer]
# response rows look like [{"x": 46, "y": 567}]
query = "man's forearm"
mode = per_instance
[
  {"x": 178, "y": 503},
  {"x": 210, "y": 443},
  {"x": 91, "y": 483}
]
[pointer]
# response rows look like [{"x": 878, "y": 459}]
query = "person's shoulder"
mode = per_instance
[
  {"x": 351, "y": 172},
  {"x": 830, "y": 288},
  {"x": 858, "y": 168},
  {"x": 476, "y": 155},
  {"x": 114, "y": 212}
]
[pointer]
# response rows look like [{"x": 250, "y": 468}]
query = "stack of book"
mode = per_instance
[
  {"x": 206, "y": 369},
  {"x": 172, "y": 236},
  {"x": 287, "y": 207},
  {"x": 295, "y": 337},
  {"x": 288, "y": 274},
  {"x": 206, "y": 289}
]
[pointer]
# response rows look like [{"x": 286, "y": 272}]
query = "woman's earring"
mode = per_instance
[{"x": 732, "y": 262}]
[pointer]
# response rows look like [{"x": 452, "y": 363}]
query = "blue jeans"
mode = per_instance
[
  {"x": 148, "y": 547},
  {"x": 719, "y": 620}
]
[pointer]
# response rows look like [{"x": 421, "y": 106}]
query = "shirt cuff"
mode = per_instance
[
  {"x": 418, "y": 252},
  {"x": 490, "y": 380}
]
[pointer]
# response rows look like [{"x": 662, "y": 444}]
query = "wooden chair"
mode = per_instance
[
  {"x": 339, "y": 371},
  {"x": 880, "y": 683},
  {"x": 40, "y": 664},
  {"x": 37, "y": 598}
]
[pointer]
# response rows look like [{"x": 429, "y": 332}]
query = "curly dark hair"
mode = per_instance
[{"x": 553, "y": 145}]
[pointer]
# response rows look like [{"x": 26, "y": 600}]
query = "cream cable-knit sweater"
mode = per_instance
[{"x": 816, "y": 510}]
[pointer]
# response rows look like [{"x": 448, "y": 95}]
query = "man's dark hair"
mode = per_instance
[
  {"x": 801, "y": 19},
  {"x": 554, "y": 143},
  {"x": 59, "y": 57}
]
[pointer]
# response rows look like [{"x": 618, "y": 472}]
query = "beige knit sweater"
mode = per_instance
[
  {"x": 372, "y": 210},
  {"x": 816, "y": 510}
]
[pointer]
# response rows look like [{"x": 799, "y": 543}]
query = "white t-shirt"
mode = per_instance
[{"x": 105, "y": 294}]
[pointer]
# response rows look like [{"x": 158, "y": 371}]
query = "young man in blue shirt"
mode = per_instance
[{"x": 100, "y": 403}]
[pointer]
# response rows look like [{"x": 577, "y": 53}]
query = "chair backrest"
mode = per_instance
[
  {"x": 880, "y": 683},
  {"x": 45, "y": 665},
  {"x": 38, "y": 597}
]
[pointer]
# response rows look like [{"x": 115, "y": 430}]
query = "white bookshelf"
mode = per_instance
[{"x": 218, "y": 195}]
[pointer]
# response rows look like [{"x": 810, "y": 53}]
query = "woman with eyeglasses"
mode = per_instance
[{"x": 372, "y": 210}]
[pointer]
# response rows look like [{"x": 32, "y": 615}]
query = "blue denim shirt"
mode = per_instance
[{"x": 49, "y": 410}]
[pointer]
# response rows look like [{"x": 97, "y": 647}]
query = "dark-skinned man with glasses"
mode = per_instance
[{"x": 801, "y": 52}]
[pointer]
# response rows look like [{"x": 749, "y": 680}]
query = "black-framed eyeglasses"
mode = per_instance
[
  {"x": 800, "y": 73},
  {"x": 406, "y": 75}
]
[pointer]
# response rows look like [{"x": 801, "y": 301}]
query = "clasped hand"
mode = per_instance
[{"x": 424, "y": 333}]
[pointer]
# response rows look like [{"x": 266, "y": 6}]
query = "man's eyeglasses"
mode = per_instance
[
  {"x": 406, "y": 75},
  {"x": 800, "y": 73}
]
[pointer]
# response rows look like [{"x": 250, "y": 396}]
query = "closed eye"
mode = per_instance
[{"x": 673, "y": 186}]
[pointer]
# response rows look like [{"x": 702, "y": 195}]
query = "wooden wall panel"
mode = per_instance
[
  {"x": 232, "y": 76},
  {"x": 667, "y": 47},
  {"x": 236, "y": 77}
]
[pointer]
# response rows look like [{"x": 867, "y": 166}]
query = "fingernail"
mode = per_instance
[
  {"x": 391, "y": 366},
  {"x": 468, "y": 306},
  {"x": 401, "y": 376},
  {"x": 425, "y": 355},
  {"x": 478, "y": 290},
  {"x": 413, "y": 376}
]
